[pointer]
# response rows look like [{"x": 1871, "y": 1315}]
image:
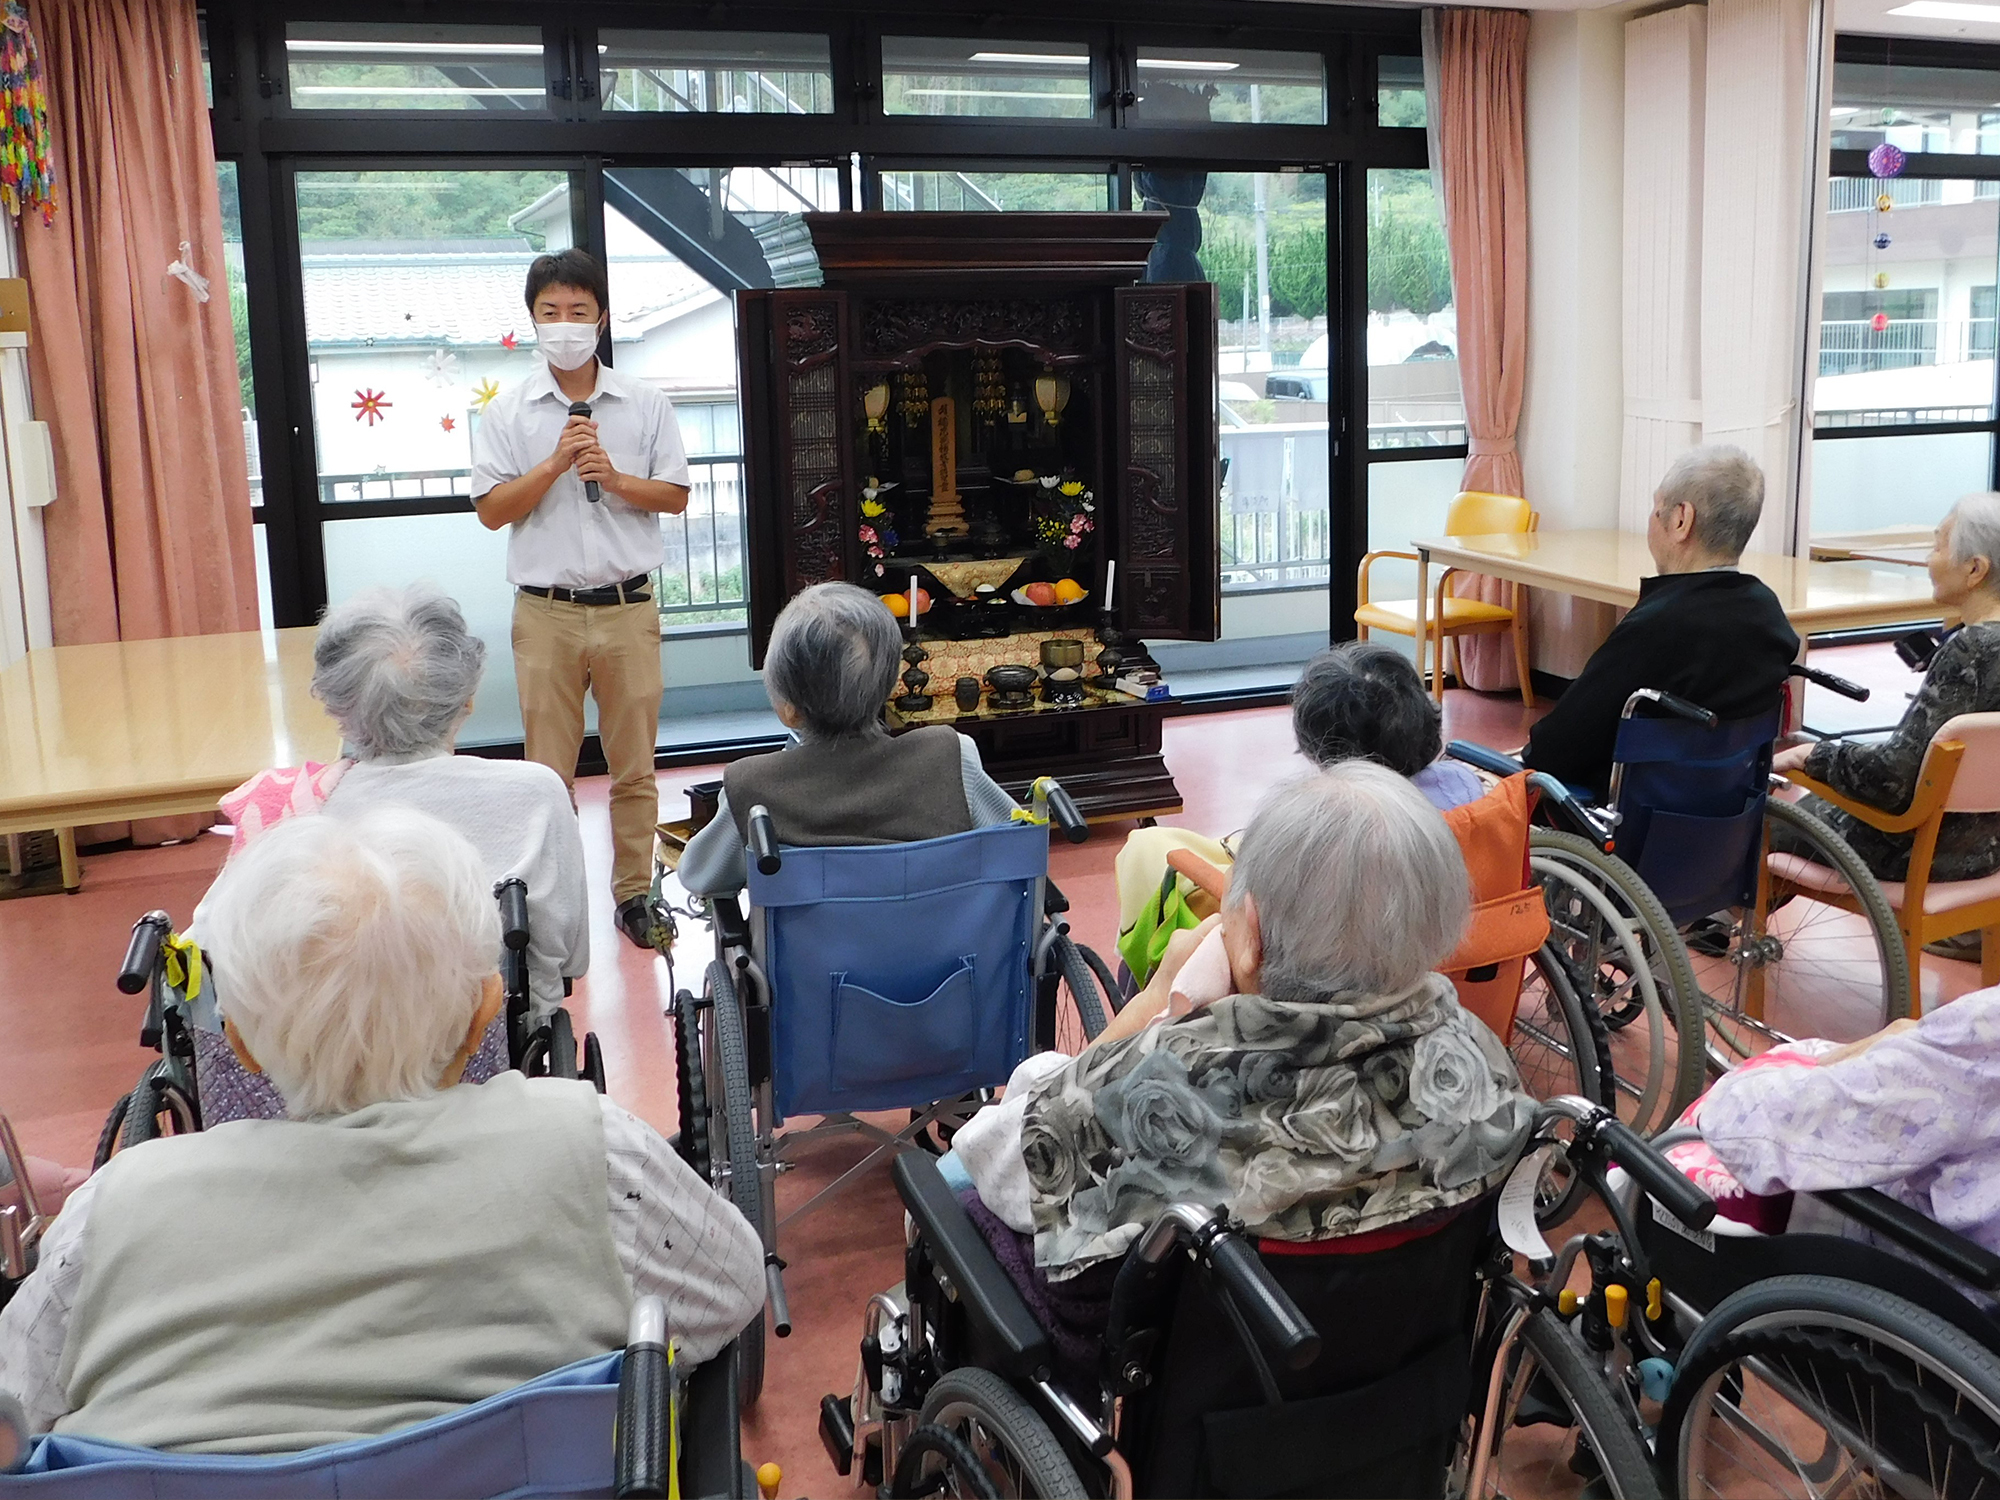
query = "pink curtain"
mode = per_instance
[
  {"x": 1482, "y": 95},
  {"x": 150, "y": 533}
]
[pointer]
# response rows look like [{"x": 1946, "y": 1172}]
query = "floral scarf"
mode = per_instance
[{"x": 1307, "y": 1121}]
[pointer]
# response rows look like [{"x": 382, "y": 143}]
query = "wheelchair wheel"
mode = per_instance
[
  {"x": 1809, "y": 1385},
  {"x": 562, "y": 1045},
  {"x": 1621, "y": 946},
  {"x": 690, "y": 1087},
  {"x": 1015, "y": 1452},
  {"x": 1595, "y": 1448},
  {"x": 1806, "y": 962},
  {"x": 1081, "y": 1019},
  {"x": 592, "y": 1069},
  {"x": 1114, "y": 993},
  {"x": 157, "y": 1106},
  {"x": 936, "y": 1461},
  {"x": 734, "y": 1152},
  {"x": 1559, "y": 1046},
  {"x": 112, "y": 1133}
]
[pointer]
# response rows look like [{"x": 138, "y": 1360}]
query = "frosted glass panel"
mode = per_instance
[
  {"x": 1406, "y": 501},
  {"x": 1865, "y": 484}
]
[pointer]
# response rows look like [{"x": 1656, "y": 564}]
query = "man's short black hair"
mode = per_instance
[{"x": 572, "y": 267}]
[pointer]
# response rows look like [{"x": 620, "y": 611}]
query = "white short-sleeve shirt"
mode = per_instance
[{"x": 565, "y": 541}]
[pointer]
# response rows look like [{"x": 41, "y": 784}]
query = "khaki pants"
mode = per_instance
[{"x": 560, "y": 649}]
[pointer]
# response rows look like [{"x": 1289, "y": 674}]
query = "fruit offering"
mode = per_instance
[
  {"x": 1068, "y": 591},
  {"x": 1040, "y": 594},
  {"x": 899, "y": 604}
]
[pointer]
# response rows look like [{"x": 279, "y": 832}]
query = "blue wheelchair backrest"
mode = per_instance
[
  {"x": 900, "y": 974},
  {"x": 1691, "y": 808},
  {"x": 550, "y": 1437}
]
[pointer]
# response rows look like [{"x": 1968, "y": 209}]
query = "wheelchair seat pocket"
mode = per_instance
[
  {"x": 1698, "y": 865},
  {"x": 877, "y": 1039}
]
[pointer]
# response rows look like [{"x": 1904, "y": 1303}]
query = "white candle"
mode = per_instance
[
  {"x": 1110, "y": 576},
  {"x": 913, "y": 601}
]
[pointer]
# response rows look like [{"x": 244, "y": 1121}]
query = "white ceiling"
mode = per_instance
[{"x": 1872, "y": 17}]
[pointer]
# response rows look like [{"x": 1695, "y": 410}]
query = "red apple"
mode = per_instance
[{"x": 1041, "y": 594}]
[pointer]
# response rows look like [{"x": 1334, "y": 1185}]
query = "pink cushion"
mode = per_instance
[
  {"x": 1976, "y": 788},
  {"x": 1940, "y": 896}
]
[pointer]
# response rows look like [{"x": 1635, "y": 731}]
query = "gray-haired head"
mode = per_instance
[
  {"x": 1359, "y": 885},
  {"x": 1974, "y": 524},
  {"x": 832, "y": 658},
  {"x": 1364, "y": 701},
  {"x": 1726, "y": 489},
  {"x": 396, "y": 668}
]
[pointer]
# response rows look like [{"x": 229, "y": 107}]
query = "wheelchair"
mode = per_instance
[
  {"x": 22, "y": 1223},
  {"x": 171, "y": 970},
  {"x": 906, "y": 977},
  {"x": 1675, "y": 858},
  {"x": 1220, "y": 1371},
  {"x": 628, "y": 1423}
]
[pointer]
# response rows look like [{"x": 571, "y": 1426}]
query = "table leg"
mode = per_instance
[
  {"x": 1423, "y": 594},
  {"x": 72, "y": 868}
]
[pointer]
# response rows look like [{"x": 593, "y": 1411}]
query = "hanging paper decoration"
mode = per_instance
[
  {"x": 482, "y": 393},
  {"x": 509, "y": 342},
  {"x": 372, "y": 405},
  {"x": 1879, "y": 322},
  {"x": 27, "y": 172},
  {"x": 441, "y": 368},
  {"x": 1881, "y": 242},
  {"x": 448, "y": 423},
  {"x": 1881, "y": 281},
  {"x": 1883, "y": 203},
  {"x": 1887, "y": 161}
]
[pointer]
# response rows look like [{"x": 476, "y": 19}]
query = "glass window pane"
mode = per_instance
[
  {"x": 1399, "y": 92},
  {"x": 1866, "y": 484},
  {"x": 983, "y": 76},
  {"x": 1906, "y": 310},
  {"x": 1413, "y": 392},
  {"x": 392, "y": 65},
  {"x": 207, "y": 68},
  {"x": 715, "y": 72},
  {"x": 1178, "y": 85},
  {"x": 1954, "y": 110},
  {"x": 985, "y": 192},
  {"x": 1407, "y": 499},
  {"x": 239, "y": 315}
]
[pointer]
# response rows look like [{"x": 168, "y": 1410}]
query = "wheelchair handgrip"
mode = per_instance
[
  {"x": 643, "y": 1441},
  {"x": 1483, "y": 758},
  {"x": 1273, "y": 1317},
  {"x": 1658, "y": 1176},
  {"x": 142, "y": 954},
  {"x": 764, "y": 841},
  {"x": 1064, "y": 814},
  {"x": 513, "y": 894},
  {"x": 1830, "y": 682},
  {"x": 1674, "y": 704}
]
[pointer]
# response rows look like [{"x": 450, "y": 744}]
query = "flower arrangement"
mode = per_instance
[
  {"x": 1065, "y": 513},
  {"x": 878, "y": 527}
]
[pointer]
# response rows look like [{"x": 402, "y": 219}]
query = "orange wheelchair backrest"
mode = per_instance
[{"x": 1509, "y": 919}]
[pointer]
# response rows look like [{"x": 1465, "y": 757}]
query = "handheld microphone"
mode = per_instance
[{"x": 590, "y": 490}]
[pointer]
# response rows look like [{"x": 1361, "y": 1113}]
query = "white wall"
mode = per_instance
[{"x": 1571, "y": 413}]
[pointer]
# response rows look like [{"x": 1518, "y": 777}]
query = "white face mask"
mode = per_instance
[{"x": 567, "y": 346}]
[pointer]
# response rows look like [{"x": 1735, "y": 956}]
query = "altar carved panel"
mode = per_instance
[
  {"x": 900, "y": 327},
  {"x": 813, "y": 454},
  {"x": 1166, "y": 449}
]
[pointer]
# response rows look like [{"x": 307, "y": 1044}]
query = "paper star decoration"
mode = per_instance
[
  {"x": 448, "y": 423},
  {"x": 484, "y": 392},
  {"x": 509, "y": 342},
  {"x": 441, "y": 368},
  {"x": 372, "y": 405}
]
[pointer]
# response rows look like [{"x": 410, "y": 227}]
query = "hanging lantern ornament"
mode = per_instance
[
  {"x": 27, "y": 171},
  {"x": 1880, "y": 322},
  {"x": 1883, "y": 203},
  {"x": 1881, "y": 242},
  {"x": 1881, "y": 281},
  {"x": 1887, "y": 160}
]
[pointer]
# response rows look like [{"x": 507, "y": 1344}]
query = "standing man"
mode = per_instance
[{"x": 581, "y": 495}]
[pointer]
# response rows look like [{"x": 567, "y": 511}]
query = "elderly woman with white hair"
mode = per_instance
[
  {"x": 1296, "y": 1059},
  {"x": 829, "y": 669},
  {"x": 397, "y": 670},
  {"x": 1963, "y": 678},
  {"x": 397, "y": 1247}
]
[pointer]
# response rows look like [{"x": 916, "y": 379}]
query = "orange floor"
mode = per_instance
[{"x": 70, "y": 1043}]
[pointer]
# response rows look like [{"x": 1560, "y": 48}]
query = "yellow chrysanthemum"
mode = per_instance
[
  {"x": 872, "y": 507},
  {"x": 1073, "y": 487}
]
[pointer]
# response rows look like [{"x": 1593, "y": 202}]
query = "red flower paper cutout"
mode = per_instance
[
  {"x": 448, "y": 423},
  {"x": 509, "y": 342},
  {"x": 372, "y": 405}
]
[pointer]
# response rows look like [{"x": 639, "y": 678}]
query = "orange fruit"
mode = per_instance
[{"x": 1068, "y": 591}]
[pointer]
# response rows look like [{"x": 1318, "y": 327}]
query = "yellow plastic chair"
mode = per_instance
[
  {"x": 1472, "y": 513},
  {"x": 1960, "y": 774}
]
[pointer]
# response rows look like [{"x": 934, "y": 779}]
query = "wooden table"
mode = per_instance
[
  {"x": 1817, "y": 596},
  {"x": 144, "y": 729},
  {"x": 1908, "y": 545}
]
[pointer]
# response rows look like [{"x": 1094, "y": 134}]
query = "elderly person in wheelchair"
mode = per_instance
[
  {"x": 399, "y": 1246},
  {"x": 830, "y": 667}
]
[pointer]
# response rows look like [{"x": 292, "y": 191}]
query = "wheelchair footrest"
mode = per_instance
[{"x": 836, "y": 1432}]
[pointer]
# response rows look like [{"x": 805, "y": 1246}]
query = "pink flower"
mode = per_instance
[
  {"x": 868, "y": 534},
  {"x": 1072, "y": 540},
  {"x": 1076, "y": 523}
]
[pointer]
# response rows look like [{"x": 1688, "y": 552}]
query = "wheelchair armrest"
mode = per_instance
[
  {"x": 1924, "y": 1238},
  {"x": 962, "y": 1252},
  {"x": 711, "y": 1433}
]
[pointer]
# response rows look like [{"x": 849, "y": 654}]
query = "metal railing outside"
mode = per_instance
[
  {"x": 1853, "y": 194},
  {"x": 1852, "y": 346},
  {"x": 1899, "y": 416}
]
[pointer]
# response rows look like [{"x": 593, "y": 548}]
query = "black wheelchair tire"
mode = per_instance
[
  {"x": 1900, "y": 1351},
  {"x": 1081, "y": 982},
  {"x": 592, "y": 1069},
  {"x": 958, "y": 1462},
  {"x": 1043, "y": 1467},
  {"x": 562, "y": 1045},
  {"x": 1114, "y": 993},
  {"x": 691, "y": 1087},
  {"x": 746, "y": 1188},
  {"x": 113, "y": 1131},
  {"x": 1589, "y": 1045},
  {"x": 1613, "y": 1434}
]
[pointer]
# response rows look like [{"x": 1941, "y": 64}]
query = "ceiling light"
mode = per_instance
[
  {"x": 1050, "y": 59},
  {"x": 1949, "y": 10},
  {"x": 1187, "y": 65}
]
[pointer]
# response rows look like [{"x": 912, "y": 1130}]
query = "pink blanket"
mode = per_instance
[{"x": 269, "y": 797}]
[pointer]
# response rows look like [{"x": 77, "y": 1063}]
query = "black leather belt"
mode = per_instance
[{"x": 631, "y": 591}]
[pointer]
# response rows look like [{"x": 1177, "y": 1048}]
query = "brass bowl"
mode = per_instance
[
  {"x": 1062, "y": 651},
  {"x": 1010, "y": 677}
]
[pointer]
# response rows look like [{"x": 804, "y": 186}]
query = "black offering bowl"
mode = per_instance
[{"x": 1013, "y": 686}]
